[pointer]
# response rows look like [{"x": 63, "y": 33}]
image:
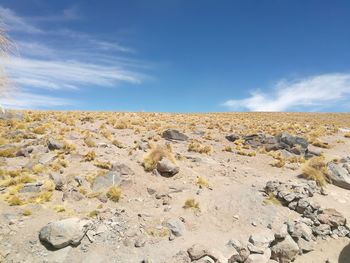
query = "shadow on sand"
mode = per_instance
[{"x": 344, "y": 256}]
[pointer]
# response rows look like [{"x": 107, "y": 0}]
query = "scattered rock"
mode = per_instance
[
  {"x": 259, "y": 258},
  {"x": 58, "y": 181},
  {"x": 62, "y": 233},
  {"x": 167, "y": 168},
  {"x": 116, "y": 177},
  {"x": 175, "y": 135},
  {"x": 332, "y": 218},
  {"x": 306, "y": 246},
  {"x": 232, "y": 137},
  {"x": 258, "y": 243},
  {"x": 52, "y": 144},
  {"x": 339, "y": 175},
  {"x": 176, "y": 226},
  {"x": 285, "y": 251}
]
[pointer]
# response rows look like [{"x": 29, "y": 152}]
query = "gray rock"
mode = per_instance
[
  {"x": 301, "y": 230},
  {"x": 172, "y": 134},
  {"x": 176, "y": 226},
  {"x": 322, "y": 230},
  {"x": 53, "y": 144},
  {"x": 205, "y": 259},
  {"x": 306, "y": 246},
  {"x": 167, "y": 168},
  {"x": 31, "y": 188},
  {"x": 285, "y": 251},
  {"x": 259, "y": 242},
  {"x": 259, "y": 258},
  {"x": 339, "y": 175},
  {"x": 58, "y": 181},
  {"x": 118, "y": 176},
  {"x": 282, "y": 232},
  {"x": 47, "y": 158},
  {"x": 332, "y": 218},
  {"x": 239, "y": 252},
  {"x": 180, "y": 257},
  {"x": 343, "y": 231},
  {"x": 232, "y": 137},
  {"x": 198, "y": 251},
  {"x": 292, "y": 141},
  {"x": 62, "y": 233}
]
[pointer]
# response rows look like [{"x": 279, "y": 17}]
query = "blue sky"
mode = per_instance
[{"x": 179, "y": 55}]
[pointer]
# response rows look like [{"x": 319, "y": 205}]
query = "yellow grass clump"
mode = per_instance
[
  {"x": 196, "y": 146},
  {"x": 191, "y": 204},
  {"x": 90, "y": 156},
  {"x": 114, "y": 193},
  {"x": 155, "y": 154},
  {"x": 347, "y": 135},
  {"x": 316, "y": 169},
  {"x": 202, "y": 182},
  {"x": 8, "y": 152}
]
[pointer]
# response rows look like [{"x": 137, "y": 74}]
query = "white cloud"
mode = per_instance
[
  {"x": 316, "y": 92},
  {"x": 62, "y": 59},
  {"x": 16, "y": 23},
  {"x": 25, "y": 100}
]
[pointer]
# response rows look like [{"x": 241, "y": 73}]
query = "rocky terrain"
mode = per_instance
[{"x": 155, "y": 187}]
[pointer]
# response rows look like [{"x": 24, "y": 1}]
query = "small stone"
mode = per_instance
[
  {"x": 176, "y": 226},
  {"x": 167, "y": 168},
  {"x": 52, "y": 144},
  {"x": 140, "y": 242}
]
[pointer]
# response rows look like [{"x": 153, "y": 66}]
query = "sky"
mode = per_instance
[{"x": 178, "y": 55}]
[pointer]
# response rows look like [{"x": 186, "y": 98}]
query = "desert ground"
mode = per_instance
[{"x": 159, "y": 187}]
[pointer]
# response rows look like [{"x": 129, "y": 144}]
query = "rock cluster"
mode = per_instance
[
  {"x": 340, "y": 173},
  {"x": 322, "y": 222},
  {"x": 284, "y": 141}
]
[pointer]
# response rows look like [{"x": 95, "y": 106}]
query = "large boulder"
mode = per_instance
[
  {"x": 285, "y": 251},
  {"x": 62, "y": 233},
  {"x": 175, "y": 135},
  {"x": 116, "y": 177},
  {"x": 339, "y": 175}
]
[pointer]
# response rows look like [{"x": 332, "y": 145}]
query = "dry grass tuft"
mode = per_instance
[
  {"x": 202, "y": 182},
  {"x": 8, "y": 152},
  {"x": 347, "y": 135},
  {"x": 196, "y": 146},
  {"x": 192, "y": 204},
  {"x": 271, "y": 200},
  {"x": 114, "y": 193},
  {"x": 90, "y": 156},
  {"x": 316, "y": 169},
  {"x": 155, "y": 154}
]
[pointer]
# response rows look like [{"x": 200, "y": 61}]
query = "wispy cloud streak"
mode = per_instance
[
  {"x": 316, "y": 92},
  {"x": 62, "y": 59}
]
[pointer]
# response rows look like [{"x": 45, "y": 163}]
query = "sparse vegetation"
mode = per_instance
[
  {"x": 316, "y": 169},
  {"x": 196, "y": 146},
  {"x": 155, "y": 154},
  {"x": 114, "y": 193},
  {"x": 191, "y": 204},
  {"x": 202, "y": 182}
]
